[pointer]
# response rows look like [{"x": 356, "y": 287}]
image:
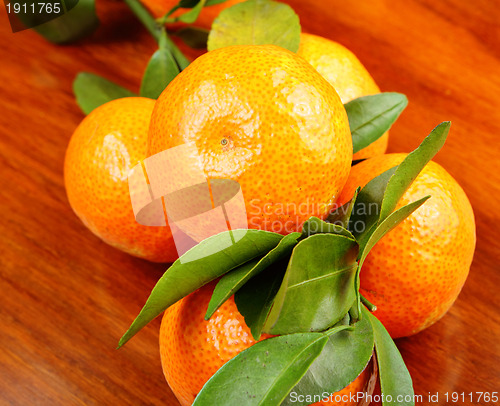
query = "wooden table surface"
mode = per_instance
[{"x": 66, "y": 297}]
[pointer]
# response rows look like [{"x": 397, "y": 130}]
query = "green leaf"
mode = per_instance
[
  {"x": 371, "y": 116},
  {"x": 256, "y": 22},
  {"x": 366, "y": 211},
  {"x": 255, "y": 299},
  {"x": 161, "y": 70},
  {"x": 314, "y": 225},
  {"x": 318, "y": 287},
  {"x": 342, "y": 214},
  {"x": 343, "y": 358},
  {"x": 79, "y": 21},
  {"x": 91, "y": 91},
  {"x": 264, "y": 373},
  {"x": 235, "y": 279},
  {"x": 395, "y": 380},
  {"x": 191, "y": 16},
  {"x": 198, "y": 266},
  {"x": 377, "y": 200},
  {"x": 194, "y": 37},
  {"x": 389, "y": 223},
  {"x": 409, "y": 169},
  {"x": 180, "y": 58}
]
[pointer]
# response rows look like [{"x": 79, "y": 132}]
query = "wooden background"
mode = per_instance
[{"x": 66, "y": 297}]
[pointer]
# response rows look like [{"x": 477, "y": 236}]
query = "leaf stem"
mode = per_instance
[
  {"x": 367, "y": 303},
  {"x": 155, "y": 29},
  {"x": 145, "y": 18}
]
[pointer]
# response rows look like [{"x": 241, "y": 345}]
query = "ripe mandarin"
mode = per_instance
[
  {"x": 193, "y": 349},
  {"x": 103, "y": 149},
  {"x": 262, "y": 116},
  {"x": 346, "y": 74},
  {"x": 414, "y": 273}
]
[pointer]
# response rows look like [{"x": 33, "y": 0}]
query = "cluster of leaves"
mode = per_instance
[{"x": 303, "y": 287}]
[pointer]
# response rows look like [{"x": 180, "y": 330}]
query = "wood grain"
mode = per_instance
[{"x": 66, "y": 297}]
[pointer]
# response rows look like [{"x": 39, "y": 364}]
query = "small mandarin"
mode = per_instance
[
  {"x": 414, "y": 273},
  {"x": 343, "y": 70},
  {"x": 103, "y": 149},
  {"x": 193, "y": 349}
]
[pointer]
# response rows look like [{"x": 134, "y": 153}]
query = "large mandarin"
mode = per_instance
[
  {"x": 414, "y": 273},
  {"x": 264, "y": 117}
]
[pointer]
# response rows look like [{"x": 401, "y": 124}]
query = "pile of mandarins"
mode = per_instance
[{"x": 274, "y": 121}]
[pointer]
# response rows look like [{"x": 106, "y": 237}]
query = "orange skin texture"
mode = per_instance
[
  {"x": 103, "y": 149},
  {"x": 262, "y": 116},
  {"x": 193, "y": 349},
  {"x": 415, "y": 272},
  {"x": 343, "y": 70},
  {"x": 160, "y": 7}
]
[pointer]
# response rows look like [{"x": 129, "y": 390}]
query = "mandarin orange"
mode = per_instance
[
  {"x": 346, "y": 74},
  {"x": 193, "y": 349},
  {"x": 103, "y": 149},
  {"x": 264, "y": 117},
  {"x": 414, "y": 273}
]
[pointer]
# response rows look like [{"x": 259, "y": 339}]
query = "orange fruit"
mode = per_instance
[
  {"x": 265, "y": 118},
  {"x": 346, "y": 74},
  {"x": 106, "y": 145},
  {"x": 207, "y": 15},
  {"x": 193, "y": 349},
  {"x": 415, "y": 272}
]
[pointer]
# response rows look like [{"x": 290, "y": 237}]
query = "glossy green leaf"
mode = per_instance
[
  {"x": 377, "y": 200},
  {"x": 318, "y": 287},
  {"x": 198, "y": 266},
  {"x": 228, "y": 285},
  {"x": 161, "y": 70},
  {"x": 342, "y": 214},
  {"x": 343, "y": 358},
  {"x": 194, "y": 37},
  {"x": 234, "y": 280},
  {"x": 409, "y": 169},
  {"x": 395, "y": 380},
  {"x": 366, "y": 211},
  {"x": 371, "y": 116},
  {"x": 314, "y": 225},
  {"x": 256, "y": 22},
  {"x": 255, "y": 299},
  {"x": 91, "y": 91},
  {"x": 263, "y": 374},
  {"x": 389, "y": 223}
]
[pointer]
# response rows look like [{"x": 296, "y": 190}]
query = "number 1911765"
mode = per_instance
[
  {"x": 473, "y": 397},
  {"x": 33, "y": 8}
]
